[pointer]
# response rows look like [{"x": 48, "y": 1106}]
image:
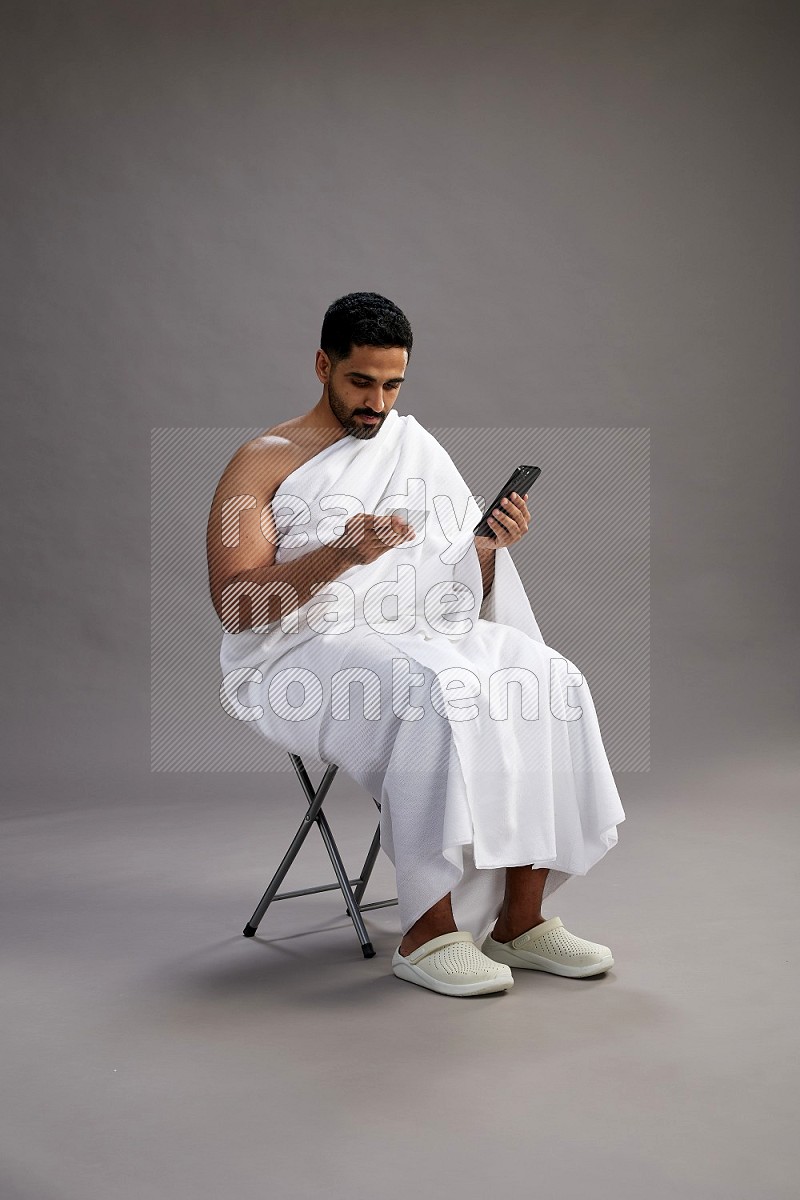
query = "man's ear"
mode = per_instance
[{"x": 322, "y": 366}]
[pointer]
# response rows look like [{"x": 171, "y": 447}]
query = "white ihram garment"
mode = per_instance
[{"x": 468, "y": 784}]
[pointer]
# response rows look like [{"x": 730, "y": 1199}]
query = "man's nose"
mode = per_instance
[{"x": 375, "y": 403}]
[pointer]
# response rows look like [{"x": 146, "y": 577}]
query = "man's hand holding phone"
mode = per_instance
[{"x": 509, "y": 522}]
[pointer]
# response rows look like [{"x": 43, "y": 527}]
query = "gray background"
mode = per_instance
[{"x": 589, "y": 213}]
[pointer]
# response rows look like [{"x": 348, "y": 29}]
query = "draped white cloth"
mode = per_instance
[{"x": 481, "y": 742}]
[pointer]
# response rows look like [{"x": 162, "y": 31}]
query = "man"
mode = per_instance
[{"x": 474, "y": 801}]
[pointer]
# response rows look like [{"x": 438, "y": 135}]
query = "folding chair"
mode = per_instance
[{"x": 351, "y": 898}]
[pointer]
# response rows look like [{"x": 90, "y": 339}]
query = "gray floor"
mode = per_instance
[{"x": 152, "y": 1051}]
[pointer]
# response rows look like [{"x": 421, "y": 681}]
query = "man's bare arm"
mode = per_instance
[
  {"x": 486, "y": 559},
  {"x": 260, "y": 595},
  {"x": 247, "y": 586}
]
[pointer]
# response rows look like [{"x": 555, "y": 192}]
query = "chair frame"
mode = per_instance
[{"x": 352, "y": 898}]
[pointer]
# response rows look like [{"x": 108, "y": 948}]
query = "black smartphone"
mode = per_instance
[{"x": 520, "y": 482}]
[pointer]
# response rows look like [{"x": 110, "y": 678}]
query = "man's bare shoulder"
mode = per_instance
[
  {"x": 275, "y": 453},
  {"x": 266, "y": 449},
  {"x": 282, "y": 448},
  {"x": 300, "y": 435}
]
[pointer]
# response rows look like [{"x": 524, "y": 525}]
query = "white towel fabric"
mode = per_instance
[{"x": 473, "y": 773}]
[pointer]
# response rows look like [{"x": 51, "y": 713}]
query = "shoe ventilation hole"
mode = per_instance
[
  {"x": 464, "y": 958},
  {"x": 559, "y": 942}
]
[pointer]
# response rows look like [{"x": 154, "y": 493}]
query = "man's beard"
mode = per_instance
[{"x": 352, "y": 423}]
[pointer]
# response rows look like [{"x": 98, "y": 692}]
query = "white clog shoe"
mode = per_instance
[
  {"x": 452, "y": 964},
  {"x": 550, "y": 947}
]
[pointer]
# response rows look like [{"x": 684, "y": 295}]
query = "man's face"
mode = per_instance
[{"x": 362, "y": 388}]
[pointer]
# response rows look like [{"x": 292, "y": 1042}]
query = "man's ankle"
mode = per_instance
[
  {"x": 508, "y": 928},
  {"x": 412, "y": 942}
]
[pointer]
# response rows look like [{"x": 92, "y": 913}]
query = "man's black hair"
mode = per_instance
[{"x": 363, "y": 319}]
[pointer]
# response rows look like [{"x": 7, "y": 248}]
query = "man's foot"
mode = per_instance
[
  {"x": 548, "y": 946},
  {"x": 453, "y": 965}
]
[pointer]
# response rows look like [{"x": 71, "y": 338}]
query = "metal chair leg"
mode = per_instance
[
  {"x": 369, "y": 863},
  {"x": 352, "y": 905},
  {"x": 336, "y": 860},
  {"x": 315, "y": 805},
  {"x": 352, "y": 898}
]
